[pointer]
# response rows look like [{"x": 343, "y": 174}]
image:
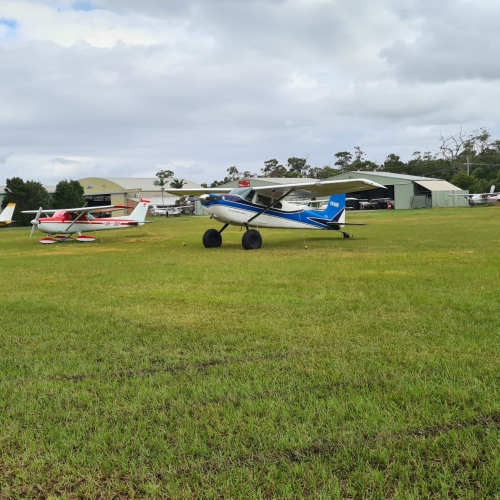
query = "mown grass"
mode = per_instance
[{"x": 138, "y": 367}]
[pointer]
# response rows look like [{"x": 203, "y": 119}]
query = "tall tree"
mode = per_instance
[
  {"x": 394, "y": 164},
  {"x": 68, "y": 194},
  {"x": 273, "y": 168},
  {"x": 323, "y": 172},
  {"x": 232, "y": 174},
  {"x": 177, "y": 183},
  {"x": 297, "y": 167},
  {"x": 29, "y": 195},
  {"x": 344, "y": 159},
  {"x": 162, "y": 175}
]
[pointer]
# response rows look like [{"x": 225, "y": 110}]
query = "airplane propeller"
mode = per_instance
[{"x": 34, "y": 222}]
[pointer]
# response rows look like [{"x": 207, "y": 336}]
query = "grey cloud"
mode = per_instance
[
  {"x": 3, "y": 158},
  {"x": 459, "y": 41},
  {"x": 64, "y": 161}
]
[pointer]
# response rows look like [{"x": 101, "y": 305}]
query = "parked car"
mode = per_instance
[
  {"x": 173, "y": 212},
  {"x": 377, "y": 204},
  {"x": 385, "y": 203},
  {"x": 368, "y": 205}
]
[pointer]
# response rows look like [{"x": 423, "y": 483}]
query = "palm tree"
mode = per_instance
[
  {"x": 177, "y": 183},
  {"x": 162, "y": 175}
]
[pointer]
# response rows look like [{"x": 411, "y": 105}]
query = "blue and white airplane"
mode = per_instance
[{"x": 264, "y": 206}]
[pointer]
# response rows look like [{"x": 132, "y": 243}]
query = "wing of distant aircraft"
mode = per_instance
[
  {"x": 264, "y": 206},
  {"x": 6, "y": 215},
  {"x": 85, "y": 210}
]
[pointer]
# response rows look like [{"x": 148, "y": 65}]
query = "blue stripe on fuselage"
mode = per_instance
[{"x": 301, "y": 216}]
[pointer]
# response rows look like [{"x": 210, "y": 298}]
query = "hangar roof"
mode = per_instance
[
  {"x": 438, "y": 185},
  {"x": 429, "y": 183},
  {"x": 145, "y": 183},
  {"x": 97, "y": 185}
]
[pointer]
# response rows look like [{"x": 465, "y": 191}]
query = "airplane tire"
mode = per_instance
[
  {"x": 252, "y": 240},
  {"x": 212, "y": 239}
]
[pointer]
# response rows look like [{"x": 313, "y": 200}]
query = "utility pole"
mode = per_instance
[{"x": 467, "y": 164}]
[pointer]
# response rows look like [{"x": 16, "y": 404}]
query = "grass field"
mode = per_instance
[{"x": 138, "y": 367}]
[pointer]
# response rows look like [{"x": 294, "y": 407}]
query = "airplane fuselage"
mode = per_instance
[
  {"x": 483, "y": 200},
  {"x": 235, "y": 210},
  {"x": 61, "y": 223}
]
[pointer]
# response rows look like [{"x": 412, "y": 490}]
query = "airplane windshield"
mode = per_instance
[{"x": 245, "y": 193}]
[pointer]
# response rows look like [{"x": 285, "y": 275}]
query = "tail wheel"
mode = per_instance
[
  {"x": 212, "y": 239},
  {"x": 252, "y": 240}
]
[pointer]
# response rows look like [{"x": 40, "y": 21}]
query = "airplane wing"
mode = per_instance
[
  {"x": 320, "y": 188},
  {"x": 309, "y": 189},
  {"x": 103, "y": 208},
  {"x": 483, "y": 195},
  {"x": 198, "y": 191}
]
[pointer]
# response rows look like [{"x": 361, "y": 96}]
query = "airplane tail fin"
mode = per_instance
[
  {"x": 140, "y": 211},
  {"x": 492, "y": 189},
  {"x": 336, "y": 208},
  {"x": 6, "y": 215}
]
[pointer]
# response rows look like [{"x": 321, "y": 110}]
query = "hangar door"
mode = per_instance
[{"x": 95, "y": 200}]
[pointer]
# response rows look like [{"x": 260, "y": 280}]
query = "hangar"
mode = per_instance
[
  {"x": 409, "y": 191},
  {"x": 127, "y": 191}
]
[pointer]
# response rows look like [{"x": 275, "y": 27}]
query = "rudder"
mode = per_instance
[
  {"x": 8, "y": 212},
  {"x": 140, "y": 211},
  {"x": 336, "y": 205}
]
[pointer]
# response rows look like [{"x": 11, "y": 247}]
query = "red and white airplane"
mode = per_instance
[{"x": 69, "y": 221}]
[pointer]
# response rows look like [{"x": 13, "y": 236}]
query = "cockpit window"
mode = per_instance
[
  {"x": 245, "y": 193},
  {"x": 262, "y": 199}
]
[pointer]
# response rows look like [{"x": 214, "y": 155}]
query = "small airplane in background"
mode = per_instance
[
  {"x": 6, "y": 215},
  {"x": 80, "y": 220},
  {"x": 264, "y": 206},
  {"x": 481, "y": 198}
]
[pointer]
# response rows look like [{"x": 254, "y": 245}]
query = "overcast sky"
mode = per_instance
[{"x": 124, "y": 88}]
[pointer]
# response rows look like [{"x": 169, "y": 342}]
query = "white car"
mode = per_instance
[{"x": 173, "y": 212}]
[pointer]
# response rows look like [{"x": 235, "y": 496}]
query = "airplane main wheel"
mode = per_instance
[
  {"x": 252, "y": 240},
  {"x": 212, "y": 239}
]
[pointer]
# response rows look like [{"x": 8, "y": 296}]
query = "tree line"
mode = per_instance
[
  {"x": 469, "y": 161},
  {"x": 31, "y": 195}
]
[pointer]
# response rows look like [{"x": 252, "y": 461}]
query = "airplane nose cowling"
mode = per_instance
[{"x": 205, "y": 199}]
